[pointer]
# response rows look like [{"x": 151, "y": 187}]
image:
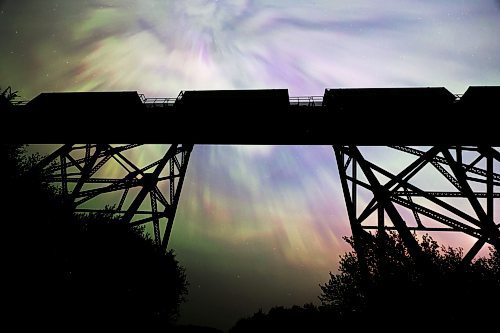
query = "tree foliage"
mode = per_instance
[
  {"x": 398, "y": 289},
  {"x": 7, "y": 97},
  {"x": 8, "y": 94},
  {"x": 396, "y": 295},
  {"x": 306, "y": 318},
  {"x": 66, "y": 271}
]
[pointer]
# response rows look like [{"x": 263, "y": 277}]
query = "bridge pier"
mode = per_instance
[
  {"x": 392, "y": 194},
  {"x": 148, "y": 195}
]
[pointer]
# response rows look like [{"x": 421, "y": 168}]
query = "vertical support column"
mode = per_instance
[
  {"x": 156, "y": 220},
  {"x": 357, "y": 231},
  {"x": 90, "y": 161},
  {"x": 486, "y": 219},
  {"x": 176, "y": 195},
  {"x": 489, "y": 217},
  {"x": 458, "y": 151},
  {"x": 380, "y": 220},
  {"x": 64, "y": 180},
  {"x": 354, "y": 186},
  {"x": 383, "y": 199},
  {"x": 489, "y": 187}
]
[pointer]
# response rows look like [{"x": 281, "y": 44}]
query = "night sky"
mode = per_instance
[
  {"x": 256, "y": 226},
  {"x": 162, "y": 47}
]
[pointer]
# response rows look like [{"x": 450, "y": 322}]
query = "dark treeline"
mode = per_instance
[
  {"x": 67, "y": 272},
  {"x": 396, "y": 294}
]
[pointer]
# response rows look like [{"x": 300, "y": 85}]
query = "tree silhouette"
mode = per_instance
[
  {"x": 7, "y": 97},
  {"x": 8, "y": 94},
  {"x": 65, "y": 271},
  {"x": 306, "y": 318},
  {"x": 117, "y": 272},
  {"x": 396, "y": 289},
  {"x": 397, "y": 296}
]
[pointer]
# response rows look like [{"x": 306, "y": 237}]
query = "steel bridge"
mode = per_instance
[{"x": 460, "y": 134}]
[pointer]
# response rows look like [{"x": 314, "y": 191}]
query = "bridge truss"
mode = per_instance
[
  {"x": 103, "y": 177},
  {"x": 379, "y": 199},
  {"x": 108, "y": 178}
]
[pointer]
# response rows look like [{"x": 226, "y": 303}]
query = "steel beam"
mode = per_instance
[
  {"x": 83, "y": 166},
  {"x": 399, "y": 189}
]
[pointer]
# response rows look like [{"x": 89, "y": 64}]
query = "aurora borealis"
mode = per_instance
[
  {"x": 162, "y": 47},
  {"x": 263, "y": 232},
  {"x": 256, "y": 226}
]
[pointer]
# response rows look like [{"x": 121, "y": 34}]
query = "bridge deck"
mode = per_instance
[{"x": 411, "y": 116}]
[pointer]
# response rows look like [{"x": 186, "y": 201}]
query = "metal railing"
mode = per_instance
[
  {"x": 306, "y": 101},
  {"x": 164, "y": 102},
  {"x": 311, "y": 101},
  {"x": 19, "y": 103},
  {"x": 157, "y": 102}
]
